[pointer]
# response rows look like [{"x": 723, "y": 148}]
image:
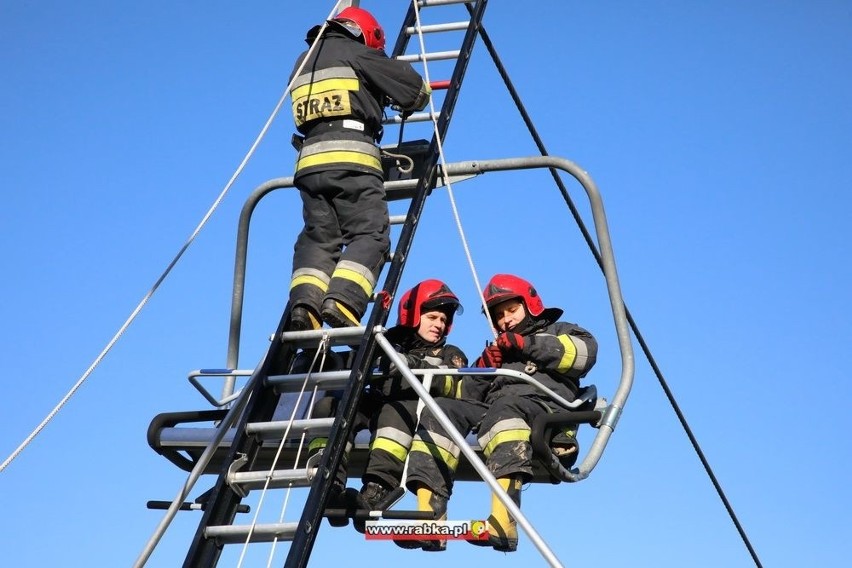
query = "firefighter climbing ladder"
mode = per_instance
[{"x": 242, "y": 429}]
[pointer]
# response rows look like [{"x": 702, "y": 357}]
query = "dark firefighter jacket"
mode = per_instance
[
  {"x": 419, "y": 355},
  {"x": 561, "y": 353},
  {"x": 338, "y": 103}
]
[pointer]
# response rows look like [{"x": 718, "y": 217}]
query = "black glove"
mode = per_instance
[{"x": 412, "y": 361}]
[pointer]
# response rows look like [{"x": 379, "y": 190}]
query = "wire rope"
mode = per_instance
[
  {"x": 443, "y": 164},
  {"x": 321, "y": 350},
  {"x": 640, "y": 339}
]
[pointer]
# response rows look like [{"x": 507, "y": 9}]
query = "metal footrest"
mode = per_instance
[
  {"x": 311, "y": 338},
  {"x": 327, "y": 380},
  {"x": 238, "y": 534},
  {"x": 275, "y": 430}
]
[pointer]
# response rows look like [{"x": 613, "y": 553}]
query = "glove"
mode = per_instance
[
  {"x": 509, "y": 342},
  {"x": 412, "y": 361},
  {"x": 491, "y": 357}
]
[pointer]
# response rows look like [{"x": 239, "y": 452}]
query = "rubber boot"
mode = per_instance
[
  {"x": 427, "y": 500},
  {"x": 502, "y": 527}
]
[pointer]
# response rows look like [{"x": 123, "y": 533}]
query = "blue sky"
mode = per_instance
[{"x": 719, "y": 134}]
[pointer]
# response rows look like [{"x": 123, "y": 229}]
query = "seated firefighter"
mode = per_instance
[
  {"x": 389, "y": 405},
  {"x": 530, "y": 340}
]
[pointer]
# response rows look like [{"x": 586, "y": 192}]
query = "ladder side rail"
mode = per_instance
[
  {"x": 468, "y": 452},
  {"x": 403, "y": 38},
  {"x": 223, "y": 501},
  {"x": 429, "y": 179}
]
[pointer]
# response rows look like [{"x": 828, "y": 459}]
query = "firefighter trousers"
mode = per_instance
[
  {"x": 345, "y": 239},
  {"x": 503, "y": 432},
  {"x": 391, "y": 424}
]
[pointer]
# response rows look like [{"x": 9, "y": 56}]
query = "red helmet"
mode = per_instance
[
  {"x": 504, "y": 287},
  {"x": 426, "y": 296},
  {"x": 371, "y": 32}
]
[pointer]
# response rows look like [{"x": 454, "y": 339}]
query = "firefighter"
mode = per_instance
[
  {"x": 338, "y": 102},
  {"x": 530, "y": 340},
  {"x": 389, "y": 407}
]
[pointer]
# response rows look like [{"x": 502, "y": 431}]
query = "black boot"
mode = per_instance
[
  {"x": 337, "y": 499},
  {"x": 338, "y": 314},
  {"x": 371, "y": 498},
  {"x": 303, "y": 318}
]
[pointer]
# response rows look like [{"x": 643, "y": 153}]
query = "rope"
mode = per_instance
[
  {"x": 446, "y": 178},
  {"x": 321, "y": 349},
  {"x": 174, "y": 261}
]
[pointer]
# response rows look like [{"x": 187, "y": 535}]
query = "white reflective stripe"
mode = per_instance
[
  {"x": 581, "y": 359},
  {"x": 357, "y": 274},
  {"x": 338, "y": 145},
  {"x": 399, "y": 436},
  {"x": 310, "y": 276},
  {"x": 322, "y": 74},
  {"x": 313, "y": 272},
  {"x": 501, "y": 426},
  {"x": 444, "y": 443}
]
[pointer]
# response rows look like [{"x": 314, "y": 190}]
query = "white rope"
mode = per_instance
[
  {"x": 443, "y": 163},
  {"x": 322, "y": 348},
  {"x": 311, "y": 405},
  {"x": 174, "y": 261}
]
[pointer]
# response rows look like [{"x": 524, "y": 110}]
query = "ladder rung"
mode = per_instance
[
  {"x": 428, "y": 3},
  {"x": 276, "y": 429},
  {"x": 311, "y": 338},
  {"x": 398, "y": 219},
  {"x": 328, "y": 380},
  {"x": 248, "y": 480},
  {"x": 434, "y": 56},
  {"x": 418, "y": 117},
  {"x": 236, "y": 534},
  {"x": 433, "y": 28}
]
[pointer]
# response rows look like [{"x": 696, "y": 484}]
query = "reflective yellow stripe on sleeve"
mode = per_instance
[{"x": 567, "y": 361}]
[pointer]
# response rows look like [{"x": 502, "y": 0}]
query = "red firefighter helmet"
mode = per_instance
[
  {"x": 426, "y": 296},
  {"x": 371, "y": 32},
  {"x": 504, "y": 287}
]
